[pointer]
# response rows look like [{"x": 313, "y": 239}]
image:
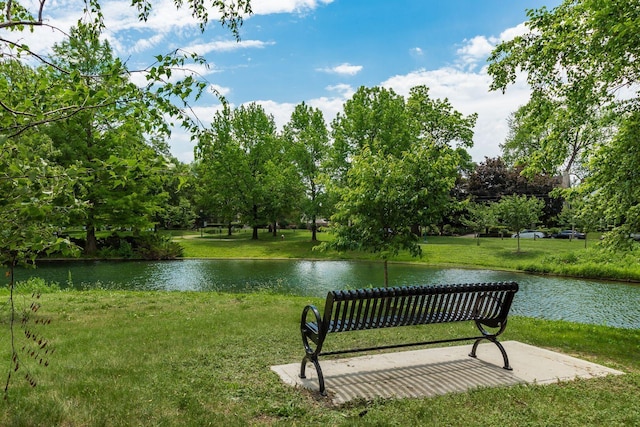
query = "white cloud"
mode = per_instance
[
  {"x": 266, "y": 7},
  {"x": 513, "y": 32},
  {"x": 226, "y": 46},
  {"x": 476, "y": 50},
  {"x": 345, "y": 90},
  {"x": 343, "y": 69},
  {"x": 144, "y": 44}
]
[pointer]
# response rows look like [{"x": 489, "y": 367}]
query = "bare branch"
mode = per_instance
[
  {"x": 35, "y": 55},
  {"x": 15, "y": 112},
  {"x": 41, "y": 9}
]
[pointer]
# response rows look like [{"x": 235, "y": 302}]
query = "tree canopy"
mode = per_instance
[
  {"x": 396, "y": 165},
  {"x": 580, "y": 59}
]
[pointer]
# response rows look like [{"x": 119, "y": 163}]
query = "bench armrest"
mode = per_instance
[
  {"x": 305, "y": 314},
  {"x": 306, "y": 331}
]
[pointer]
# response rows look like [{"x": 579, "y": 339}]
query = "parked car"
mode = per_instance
[
  {"x": 530, "y": 234},
  {"x": 568, "y": 234}
]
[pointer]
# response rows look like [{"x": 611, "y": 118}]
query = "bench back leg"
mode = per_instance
[
  {"x": 496, "y": 342},
  {"x": 313, "y": 359}
]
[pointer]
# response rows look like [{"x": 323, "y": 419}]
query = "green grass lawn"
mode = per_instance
[
  {"x": 549, "y": 256},
  {"x": 125, "y": 358},
  {"x": 196, "y": 359}
]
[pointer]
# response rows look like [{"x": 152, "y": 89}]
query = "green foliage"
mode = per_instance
[
  {"x": 517, "y": 212},
  {"x": 553, "y": 137},
  {"x": 479, "y": 218},
  {"x": 156, "y": 246},
  {"x": 36, "y": 285},
  {"x": 36, "y": 200},
  {"x": 493, "y": 178},
  {"x": 583, "y": 48},
  {"x": 148, "y": 245},
  {"x": 614, "y": 184},
  {"x": 437, "y": 121},
  {"x": 393, "y": 167},
  {"x": 244, "y": 169},
  {"x": 577, "y": 58},
  {"x": 308, "y": 140}
]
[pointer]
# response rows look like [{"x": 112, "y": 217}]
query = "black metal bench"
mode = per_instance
[{"x": 487, "y": 304}]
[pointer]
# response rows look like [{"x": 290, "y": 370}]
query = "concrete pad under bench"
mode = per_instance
[{"x": 433, "y": 371}]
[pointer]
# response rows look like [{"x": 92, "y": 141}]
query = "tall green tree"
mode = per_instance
[
  {"x": 373, "y": 118},
  {"x": 36, "y": 195},
  {"x": 108, "y": 142},
  {"x": 255, "y": 135},
  {"x": 244, "y": 153},
  {"x": 517, "y": 212},
  {"x": 217, "y": 158},
  {"x": 436, "y": 121},
  {"x": 613, "y": 188},
  {"x": 393, "y": 173},
  {"x": 583, "y": 55},
  {"x": 306, "y": 134}
]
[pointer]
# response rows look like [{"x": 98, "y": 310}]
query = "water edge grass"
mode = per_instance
[
  {"x": 544, "y": 256},
  {"x": 179, "y": 358}
]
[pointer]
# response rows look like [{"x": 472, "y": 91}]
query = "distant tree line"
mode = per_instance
[{"x": 84, "y": 147}]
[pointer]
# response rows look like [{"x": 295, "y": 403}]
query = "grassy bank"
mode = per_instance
[
  {"x": 549, "y": 256},
  {"x": 197, "y": 359}
]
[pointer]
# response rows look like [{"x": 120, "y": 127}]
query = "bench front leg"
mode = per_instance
[
  {"x": 311, "y": 355},
  {"x": 316, "y": 363}
]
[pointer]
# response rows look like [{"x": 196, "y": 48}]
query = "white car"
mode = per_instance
[{"x": 530, "y": 234}]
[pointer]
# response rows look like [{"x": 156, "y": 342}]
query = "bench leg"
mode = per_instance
[
  {"x": 502, "y": 350},
  {"x": 314, "y": 360}
]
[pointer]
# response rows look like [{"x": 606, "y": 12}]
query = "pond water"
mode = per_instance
[{"x": 583, "y": 301}]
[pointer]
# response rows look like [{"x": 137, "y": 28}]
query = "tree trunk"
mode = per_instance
[
  {"x": 255, "y": 221},
  {"x": 275, "y": 229},
  {"x": 229, "y": 229},
  {"x": 566, "y": 179},
  {"x": 314, "y": 229},
  {"x": 91, "y": 244}
]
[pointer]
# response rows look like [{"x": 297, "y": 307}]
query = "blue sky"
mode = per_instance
[{"x": 321, "y": 51}]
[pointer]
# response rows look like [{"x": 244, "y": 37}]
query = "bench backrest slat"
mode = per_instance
[{"x": 415, "y": 305}]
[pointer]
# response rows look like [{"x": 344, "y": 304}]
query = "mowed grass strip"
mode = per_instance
[
  {"x": 194, "y": 359},
  {"x": 546, "y": 256}
]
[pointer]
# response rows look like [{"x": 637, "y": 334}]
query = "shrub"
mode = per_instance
[{"x": 156, "y": 246}]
